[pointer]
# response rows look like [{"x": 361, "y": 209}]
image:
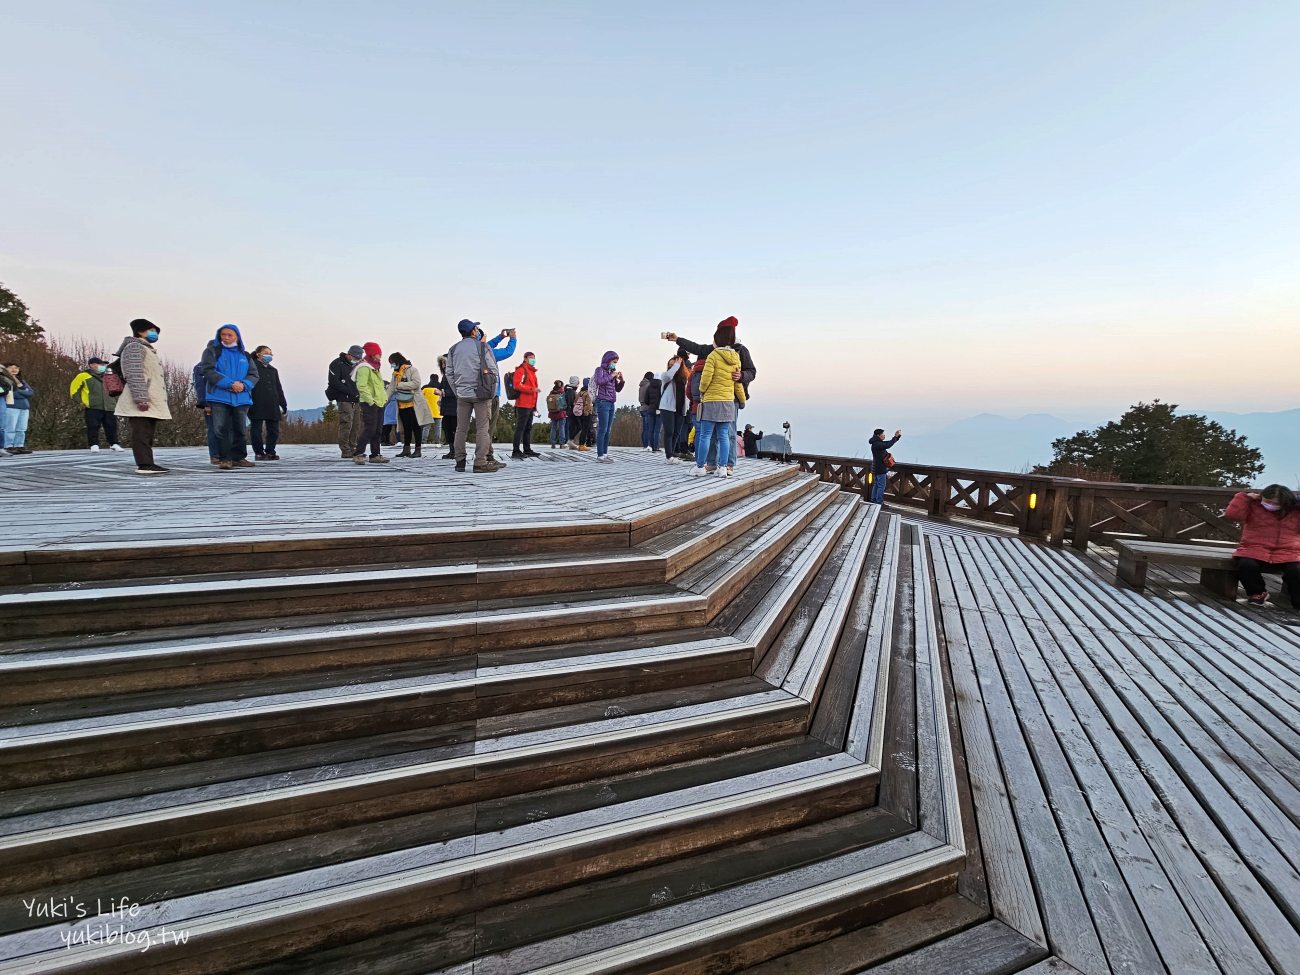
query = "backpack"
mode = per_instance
[
  {"x": 114, "y": 382},
  {"x": 555, "y": 404},
  {"x": 577, "y": 405},
  {"x": 653, "y": 393},
  {"x": 511, "y": 392},
  {"x": 697, "y": 371}
]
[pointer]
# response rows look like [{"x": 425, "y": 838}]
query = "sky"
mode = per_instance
[{"x": 919, "y": 212}]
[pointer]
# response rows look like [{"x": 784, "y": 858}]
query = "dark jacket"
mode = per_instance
[
  {"x": 879, "y": 448},
  {"x": 224, "y": 367},
  {"x": 341, "y": 387},
  {"x": 200, "y": 385},
  {"x": 751, "y": 443},
  {"x": 449, "y": 399},
  {"x": 747, "y": 370},
  {"x": 23, "y": 394},
  {"x": 268, "y": 395}
]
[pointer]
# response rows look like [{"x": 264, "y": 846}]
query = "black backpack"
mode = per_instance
[
  {"x": 511, "y": 392},
  {"x": 653, "y": 393}
]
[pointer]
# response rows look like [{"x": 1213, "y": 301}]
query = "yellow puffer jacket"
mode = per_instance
[{"x": 716, "y": 384}]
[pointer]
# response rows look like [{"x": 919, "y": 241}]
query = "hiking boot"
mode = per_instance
[
  {"x": 379, "y": 459},
  {"x": 272, "y": 456},
  {"x": 259, "y": 456},
  {"x": 460, "y": 467},
  {"x": 405, "y": 453},
  {"x": 449, "y": 455},
  {"x": 516, "y": 455},
  {"x": 244, "y": 462},
  {"x": 225, "y": 465},
  {"x": 358, "y": 458},
  {"x": 531, "y": 453},
  {"x": 490, "y": 467},
  {"x": 214, "y": 461}
]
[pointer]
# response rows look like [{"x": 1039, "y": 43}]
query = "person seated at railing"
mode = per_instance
[
  {"x": 880, "y": 462},
  {"x": 1270, "y": 541}
]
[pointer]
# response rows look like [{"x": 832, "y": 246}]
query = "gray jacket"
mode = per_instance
[{"x": 466, "y": 361}]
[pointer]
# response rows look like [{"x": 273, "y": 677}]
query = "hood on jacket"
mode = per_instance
[
  {"x": 607, "y": 358},
  {"x": 131, "y": 340},
  {"x": 239, "y": 339}
]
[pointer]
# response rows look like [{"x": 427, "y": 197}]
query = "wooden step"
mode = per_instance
[
  {"x": 290, "y": 913},
  {"x": 52, "y": 744}
]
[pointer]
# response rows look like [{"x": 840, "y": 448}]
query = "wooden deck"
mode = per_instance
[{"x": 573, "y": 718}]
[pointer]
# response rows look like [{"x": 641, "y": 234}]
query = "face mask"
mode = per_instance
[
  {"x": 1270, "y": 506},
  {"x": 100, "y": 370},
  {"x": 267, "y": 358},
  {"x": 151, "y": 336},
  {"x": 532, "y": 361},
  {"x": 228, "y": 345},
  {"x": 613, "y": 367}
]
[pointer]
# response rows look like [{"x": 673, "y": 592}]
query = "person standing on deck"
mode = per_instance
[
  {"x": 431, "y": 432},
  {"x": 558, "y": 414},
  {"x": 231, "y": 375},
  {"x": 672, "y": 405},
  {"x": 720, "y": 396},
  {"x": 574, "y": 424},
  {"x": 608, "y": 383},
  {"x": 880, "y": 462},
  {"x": 373, "y": 395},
  {"x": 269, "y": 405},
  {"x": 752, "y": 440},
  {"x": 510, "y": 336},
  {"x": 449, "y": 421},
  {"x": 1270, "y": 541},
  {"x": 472, "y": 372},
  {"x": 97, "y": 403},
  {"x": 526, "y": 389},
  {"x": 341, "y": 390},
  {"x": 747, "y": 371},
  {"x": 17, "y": 416},
  {"x": 6, "y": 397},
  {"x": 584, "y": 408},
  {"x": 144, "y": 401},
  {"x": 412, "y": 408},
  {"x": 200, "y": 386},
  {"x": 648, "y": 395}
]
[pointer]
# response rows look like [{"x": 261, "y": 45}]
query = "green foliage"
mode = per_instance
[
  {"x": 1151, "y": 444},
  {"x": 16, "y": 321}
]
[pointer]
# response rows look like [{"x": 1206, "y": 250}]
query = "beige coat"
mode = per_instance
[
  {"x": 411, "y": 383},
  {"x": 143, "y": 372}
]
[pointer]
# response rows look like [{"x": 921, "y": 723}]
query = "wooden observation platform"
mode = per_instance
[{"x": 577, "y": 718}]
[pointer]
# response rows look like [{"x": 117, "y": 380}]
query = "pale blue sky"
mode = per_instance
[{"x": 919, "y": 211}]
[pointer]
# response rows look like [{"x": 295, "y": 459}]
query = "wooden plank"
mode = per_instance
[{"x": 991, "y": 948}]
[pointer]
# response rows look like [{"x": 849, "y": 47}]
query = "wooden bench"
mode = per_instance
[{"x": 1218, "y": 574}]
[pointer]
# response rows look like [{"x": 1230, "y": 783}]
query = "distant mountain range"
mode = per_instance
[
  {"x": 992, "y": 442},
  {"x": 307, "y": 416}
]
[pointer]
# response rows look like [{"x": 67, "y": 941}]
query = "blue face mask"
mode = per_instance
[
  {"x": 100, "y": 370},
  {"x": 532, "y": 361},
  {"x": 151, "y": 336},
  {"x": 613, "y": 367},
  {"x": 267, "y": 358}
]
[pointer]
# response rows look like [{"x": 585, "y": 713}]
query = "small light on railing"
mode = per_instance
[
  {"x": 871, "y": 478},
  {"x": 1033, "y": 500}
]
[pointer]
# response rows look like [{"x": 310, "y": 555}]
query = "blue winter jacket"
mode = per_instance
[
  {"x": 501, "y": 354},
  {"x": 223, "y": 367}
]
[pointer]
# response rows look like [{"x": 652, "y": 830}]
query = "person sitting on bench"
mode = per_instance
[{"x": 1270, "y": 541}]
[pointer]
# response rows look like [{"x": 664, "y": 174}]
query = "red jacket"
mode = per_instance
[
  {"x": 1268, "y": 536},
  {"x": 526, "y": 387}
]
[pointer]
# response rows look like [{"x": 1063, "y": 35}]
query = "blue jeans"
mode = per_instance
[
  {"x": 559, "y": 431},
  {"x": 605, "y": 414},
  {"x": 878, "y": 481},
  {"x": 229, "y": 423},
  {"x": 713, "y": 434},
  {"x": 649, "y": 428},
  {"x": 15, "y": 426}
]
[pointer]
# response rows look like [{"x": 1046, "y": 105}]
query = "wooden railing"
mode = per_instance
[{"x": 1055, "y": 509}]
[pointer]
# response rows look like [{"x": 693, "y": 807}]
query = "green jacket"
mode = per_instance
[
  {"x": 90, "y": 388},
  {"x": 370, "y": 386}
]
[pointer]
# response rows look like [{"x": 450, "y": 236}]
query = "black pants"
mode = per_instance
[
  {"x": 1251, "y": 573},
  {"x": 142, "y": 431},
  {"x": 96, "y": 419},
  {"x": 372, "y": 418},
  {"x": 449, "y": 427},
  {"x": 267, "y": 445},
  {"x": 387, "y": 433},
  {"x": 524, "y": 430},
  {"x": 410, "y": 428},
  {"x": 671, "y": 422},
  {"x": 588, "y": 427}
]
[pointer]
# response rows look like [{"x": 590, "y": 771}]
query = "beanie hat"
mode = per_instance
[
  {"x": 466, "y": 327},
  {"x": 95, "y": 360},
  {"x": 528, "y": 355},
  {"x": 372, "y": 349},
  {"x": 139, "y": 325},
  {"x": 357, "y": 352},
  {"x": 573, "y": 380}
]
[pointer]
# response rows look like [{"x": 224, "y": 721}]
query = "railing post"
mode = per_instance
[
  {"x": 1083, "y": 519},
  {"x": 1059, "y": 508},
  {"x": 939, "y": 496}
]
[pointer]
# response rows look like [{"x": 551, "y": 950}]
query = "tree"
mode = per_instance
[
  {"x": 16, "y": 321},
  {"x": 1151, "y": 444}
]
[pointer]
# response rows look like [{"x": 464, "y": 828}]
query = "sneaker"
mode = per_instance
[
  {"x": 94, "y": 448},
  {"x": 379, "y": 459},
  {"x": 149, "y": 470},
  {"x": 259, "y": 456},
  {"x": 214, "y": 460},
  {"x": 649, "y": 450},
  {"x": 449, "y": 455},
  {"x": 225, "y": 465},
  {"x": 272, "y": 456},
  {"x": 1259, "y": 600},
  {"x": 672, "y": 460},
  {"x": 531, "y": 453},
  {"x": 516, "y": 455},
  {"x": 460, "y": 467},
  {"x": 115, "y": 446},
  {"x": 345, "y": 455},
  {"x": 358, "y": 458},
  {"x": 159, "y": 470},
  {"x": 244, "y": 462},
  {"x": 605, "y": 460},
  {"x": 698, "y": 472}
]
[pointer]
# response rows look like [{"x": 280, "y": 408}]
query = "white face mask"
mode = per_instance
[
  {"x": 1270, "y": 506},
  {"x": 228, "y": 345}
]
